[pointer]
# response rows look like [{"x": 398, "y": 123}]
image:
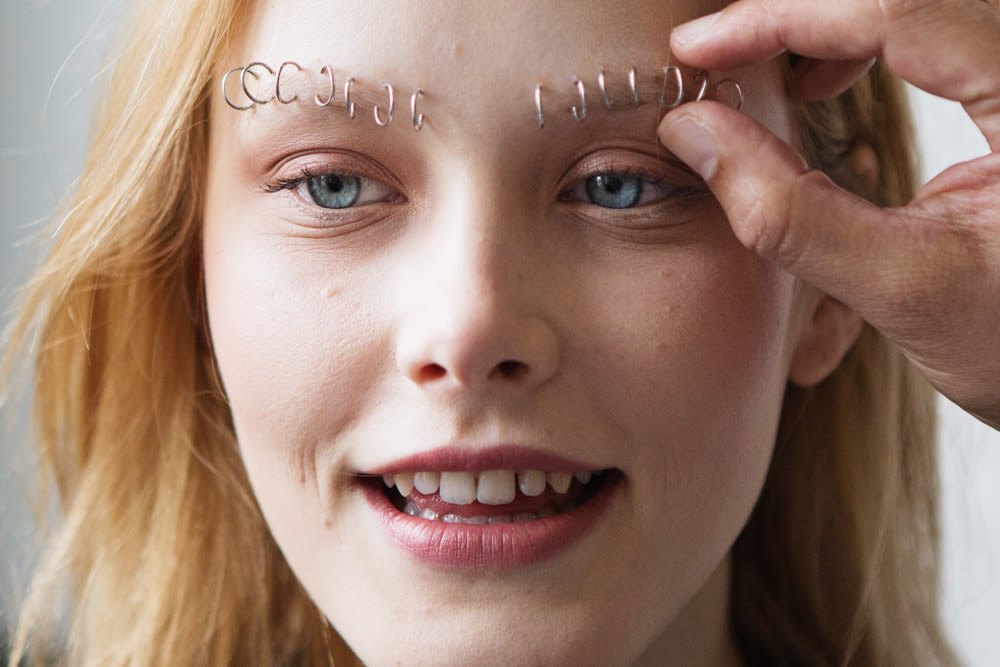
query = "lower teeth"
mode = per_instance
[{"x": 520, "y": 517}]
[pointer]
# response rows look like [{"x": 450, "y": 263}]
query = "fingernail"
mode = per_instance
[
  {"x": 692, "y": 31},
  {"x": 693, "y": 143}
]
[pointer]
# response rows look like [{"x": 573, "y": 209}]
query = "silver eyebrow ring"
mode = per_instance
[
  {"x": 604, "y": 90},
  {"x": 392, "y": 107},
  {"x": 701, "y": 76},
  {"x": 329, "y": 73},
  {"x": 418, "y": 119},
  {"x": 680, "y": 86},
  {"x": 538, "y": 105},
  {"x": 225, "y": 95},
  {"x": 243, "y": 81},
  {"x": 351, "y": 106},
  {"x": 581, "y": 113},
  {"x": 277, "y": 82},
  {"x": 632, "y": 86},
  {"x": 739, "y": 91}
]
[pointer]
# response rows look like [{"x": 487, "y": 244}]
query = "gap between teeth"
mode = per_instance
[{"x": 489, "y": 487}]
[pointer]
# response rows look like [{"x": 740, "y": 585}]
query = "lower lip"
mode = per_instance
[{"x": 491, "y": 546}]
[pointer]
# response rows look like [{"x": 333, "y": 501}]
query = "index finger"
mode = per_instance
[{"x": 950, "y": 49}]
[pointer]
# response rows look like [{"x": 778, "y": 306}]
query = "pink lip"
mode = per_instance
[
  {"x": 493, "y": 546},
  {"x": 505, "y": 457}
]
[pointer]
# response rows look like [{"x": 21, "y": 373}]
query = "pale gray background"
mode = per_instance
[{"x": 51, "y": 51}]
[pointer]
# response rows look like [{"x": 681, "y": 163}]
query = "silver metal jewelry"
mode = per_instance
[
  {"x": 739, "y": 91},
  {"x": 581, "y": 113},
  {"x": 392, "y": 107},
  {"x": 243, "y": 81},
  {"x": 277, "y": 81},
  {"x": 225, "y": 94},
  {"x": 418, "y": 118},
  {"x": 333, "y": 89},
  {"x": 701, "y": 76},
  {"x": 351, "y": 106},
  {"x": 680, "y": 86},
  {"x": 632, "y": 86},
  {"x": 538, "y": 105},
  {"x": 604, "y": 90}
]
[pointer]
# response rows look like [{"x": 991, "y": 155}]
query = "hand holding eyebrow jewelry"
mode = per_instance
[{"x": 927, "y": 274}]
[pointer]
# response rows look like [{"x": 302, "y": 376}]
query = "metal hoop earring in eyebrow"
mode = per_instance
[
  {"x": 680, "y": 86},
  {"x": 351, "y": 106},
  {"x": 581, "y": 113},
  {"x": 604, "y": 90},
  {"x": 277, "y": 82},
  {"x": 333, "y": 90},
  {"x": 538, "y": 105},
  {"x": 632, "y": 86},
  {"x": 243, "y": 81},
  {"x": 418, "y": 119},
  {"x": 392, "y": 107},
  {"x": 225, "y": 95},
  {"x": 739, "y": 91},
  {"x": 703, "y": 77}
]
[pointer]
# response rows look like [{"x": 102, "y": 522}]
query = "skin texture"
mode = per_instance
[
  {"x": 934, "y": 287},
  {"x": 647, "y": 340}
]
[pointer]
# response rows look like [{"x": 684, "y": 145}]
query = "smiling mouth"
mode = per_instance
[{"x": 490, "y": 497}]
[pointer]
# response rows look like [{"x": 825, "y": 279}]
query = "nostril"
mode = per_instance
[
  {"x": 511, "y": 370},
  {"x": 431, "y": 372}
]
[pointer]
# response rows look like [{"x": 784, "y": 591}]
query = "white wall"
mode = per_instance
[{"x": 51, "y": 51}]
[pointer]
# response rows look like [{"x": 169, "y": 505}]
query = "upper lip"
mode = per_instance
[{"x": 497, "y": 457}]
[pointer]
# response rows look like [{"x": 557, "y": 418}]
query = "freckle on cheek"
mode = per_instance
[{"x": 329, "y": 292}]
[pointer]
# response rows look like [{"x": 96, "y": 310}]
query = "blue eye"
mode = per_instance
[
  {"x": 614, "y": 190},
  {"x": 334, "y": 190}
]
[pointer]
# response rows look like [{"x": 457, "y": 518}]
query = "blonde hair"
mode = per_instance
[{"x": 164, "y": 550}]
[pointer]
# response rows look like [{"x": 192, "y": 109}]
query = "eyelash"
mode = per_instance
[{"x": 647, "y": 178}]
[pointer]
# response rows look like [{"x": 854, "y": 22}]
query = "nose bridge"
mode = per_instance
[{"x": 476, "y": 317}]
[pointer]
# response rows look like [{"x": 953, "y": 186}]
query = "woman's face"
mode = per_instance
[{"x": 466, "y": 302}]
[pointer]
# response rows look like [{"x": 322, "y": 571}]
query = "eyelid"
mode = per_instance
[
  {"x": 293, "y": 174},
  {"x": 672, "y": 175},
  {"x": 298, "y": 168}
]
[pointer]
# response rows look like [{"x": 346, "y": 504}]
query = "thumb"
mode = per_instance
[{"x": 794, "y": 217}]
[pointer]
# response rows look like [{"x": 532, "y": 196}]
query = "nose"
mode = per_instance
[{"x": 478, "y": 315}]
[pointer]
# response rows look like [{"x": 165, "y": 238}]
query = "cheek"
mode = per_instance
[
  {"x": 702, "y": 350},
  {"x": 289, "y": 340}
]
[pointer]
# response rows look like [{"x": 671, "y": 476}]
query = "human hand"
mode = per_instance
[{"x": 928, "y": 274}]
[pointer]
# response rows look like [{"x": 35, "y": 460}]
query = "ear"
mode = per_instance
[{"x": 828, "y": 330}]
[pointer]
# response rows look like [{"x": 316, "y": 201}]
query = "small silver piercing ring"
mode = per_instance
[
  {"x": 680, "y": 86},
  {"x": 351, "y": 106},
  {"x": 418, "y": 118},
  {"x": 704, "y": 78},
  {"x": 277, "y": 82},
  {"x": 538, "y": 105},
  {"x": 392, "y": 107},
  {"x": 581, "y": 113},
  {"x": 225, "y": 95},
  {"x": 632, "y": 86},
  {"x": 604, "y": 90},
  {"x": 243, "y": 81},
  {"x": 739, "y": 91},
  {"x": 333, "y": 90}
]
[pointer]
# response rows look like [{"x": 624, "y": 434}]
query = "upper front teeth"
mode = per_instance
[{"x": 490, "y": 487}]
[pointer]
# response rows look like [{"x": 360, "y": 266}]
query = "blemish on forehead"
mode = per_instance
[{"x": 458, "y": 50}]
